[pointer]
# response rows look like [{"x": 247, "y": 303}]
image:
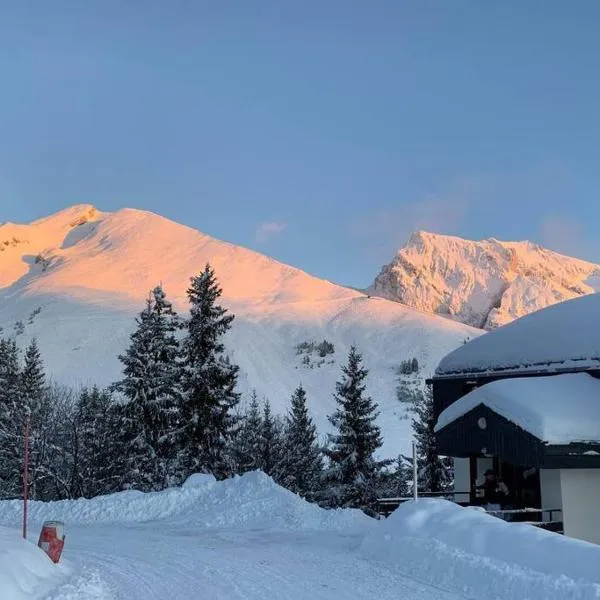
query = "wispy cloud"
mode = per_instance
[
  {"x": 268, "y": 230},
  {"x": 386, "y": 231}
]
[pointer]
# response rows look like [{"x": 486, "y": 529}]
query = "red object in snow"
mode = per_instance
[{"x": 52, "y": 539}]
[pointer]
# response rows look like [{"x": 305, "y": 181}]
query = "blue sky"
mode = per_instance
[{"x": 321, "y": 133}]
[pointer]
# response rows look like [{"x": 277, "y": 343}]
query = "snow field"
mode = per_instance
[{"x": 471, "y": 552}]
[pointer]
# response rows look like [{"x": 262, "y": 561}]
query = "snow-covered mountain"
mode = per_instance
[
  {"x": 484, "y": 284},
  {"x": 76, "y": 279}
]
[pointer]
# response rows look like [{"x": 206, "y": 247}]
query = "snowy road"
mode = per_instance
[
  {"x": 247, "y": 538},
  {"x": 151, "y": 561}
]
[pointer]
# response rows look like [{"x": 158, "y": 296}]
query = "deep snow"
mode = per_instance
[
  {"x": 558, "y": 410},
  {"x": 485, "y": 557},
  {"x": 25, "y": 571},
  {"x": 558, "y": 337},
  {"x": 247, "y": 538}
]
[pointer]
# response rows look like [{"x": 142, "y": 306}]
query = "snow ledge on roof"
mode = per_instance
[
  {"x": 558, "y": 410},
  {"x": 559, "y": 337}
]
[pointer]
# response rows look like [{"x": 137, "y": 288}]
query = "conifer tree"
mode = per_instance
[
  {"x": 246, "y": 444},
  {"x": 271, "y": 443},
  {"x": 151, "y": 386},
  {"x": 434, "y": 472},
  {"x": 12, "y": 419},
  {"x": 395, "y": 482},
  {"x": 302, "y": 463},
  {"x": 37, "y": 409},
  {"x": 97, "y": 465},
  {"x": 208, "y": 382},
  {"x": 354, "y": 473}
]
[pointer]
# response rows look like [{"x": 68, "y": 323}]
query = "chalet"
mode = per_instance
[{"x": 524, "y": 401}]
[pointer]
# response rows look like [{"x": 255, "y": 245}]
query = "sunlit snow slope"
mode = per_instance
[
  {"x": 77, "y": 278},
  {"x": 484, "y": 284}
]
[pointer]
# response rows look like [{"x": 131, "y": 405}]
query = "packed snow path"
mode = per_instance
[{"x": 152, "y": 561}]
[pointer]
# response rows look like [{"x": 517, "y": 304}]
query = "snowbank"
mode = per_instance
[
  {"x": 255, "y": 500},
  {"x": 24, "y": 569},
  {"x": 252, "y": 500},
  {"x": 469, "y": 551},
  {"x": 558, "y": 409}
]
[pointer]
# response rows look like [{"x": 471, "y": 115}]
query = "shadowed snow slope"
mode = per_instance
[
  {"x": 252, "y": 500},
  {"x": 76, "y": 279},
  {"x": 470, "y": 551},
  {"x": 487, "y": 283}
]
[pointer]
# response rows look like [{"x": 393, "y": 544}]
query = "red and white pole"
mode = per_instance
[{"x": 26, "y": 474}]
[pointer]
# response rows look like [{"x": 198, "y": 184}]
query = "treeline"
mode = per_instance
[{"x": 176, "y": 411}]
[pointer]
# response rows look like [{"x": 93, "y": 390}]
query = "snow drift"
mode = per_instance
[
  {"x": 469, "y": 551},
  {"x": 248, "y": 501},
  {"x": 24, "y": 569}
]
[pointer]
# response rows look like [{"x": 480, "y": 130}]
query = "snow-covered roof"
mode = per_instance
[
  {"x": 562, "y": 336},
  {"x": 558, "y": 409}
]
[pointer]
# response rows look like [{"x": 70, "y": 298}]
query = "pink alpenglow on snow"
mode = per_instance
[
  {"x": 485, "y": 284},
  {"x": 77, "y": 279}
]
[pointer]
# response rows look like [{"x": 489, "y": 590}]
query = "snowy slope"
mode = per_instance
[
  {"x": 485, "y": 284},
  {"x": 76, "y": 279}
]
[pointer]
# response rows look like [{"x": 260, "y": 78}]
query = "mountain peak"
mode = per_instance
[
  {"x": 76, "y": 280},
  {"x": 483, "y": 283},
  {"x": 71, "y": 216}
]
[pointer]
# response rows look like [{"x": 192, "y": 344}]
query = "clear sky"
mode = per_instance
[{"x": 319, "y": 132}]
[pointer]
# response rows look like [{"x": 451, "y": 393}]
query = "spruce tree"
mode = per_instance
[
  {"x": 434, "y": 473},
  {"x": 302, "y": 463},
  {"x": 37, "y": 409},
  {"x": 12, "y": 421},
  {"x": 271, "y": 443},
  {"x": 353, "y": 472},
  {"x": 97, "y": 468},
  {"x": 208, "y": 382},
  {"x": 395, "y": 482},
  {"x": 246, "y": 444},
  {"x": 151, "y": 386}
]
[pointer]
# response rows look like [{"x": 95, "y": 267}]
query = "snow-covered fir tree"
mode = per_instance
[
  {"x": 12, "y": 419},
  {"x": 396, "y": 480},
  {"x": 354, "y": 473},
  {"x": 435, "y": 473},
  {"x": 271, "y": 443},
  {"x": 150, "y": 384},
  {"x": 246, "y": 443},
  {"x": 97, "y": 461},
  {"x": 208, "y": 383},
  {"x": 302, "y": 462},
  {"x": 33, "y": 389}
]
